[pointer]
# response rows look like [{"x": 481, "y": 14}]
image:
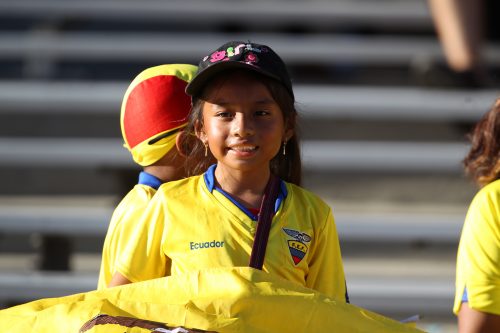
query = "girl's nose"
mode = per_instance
[{"x": 243, "y": 126}]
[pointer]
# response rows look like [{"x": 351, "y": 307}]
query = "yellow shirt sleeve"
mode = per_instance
[
  {"x": 478, "y": 259},
  {"x": 143, "y": 258},
  {"x": 120, "y": 230}
]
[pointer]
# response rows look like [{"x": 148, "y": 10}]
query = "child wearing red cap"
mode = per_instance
[
  {"x": 243, "y": 115},
  {"x": 154, "y": 112}
]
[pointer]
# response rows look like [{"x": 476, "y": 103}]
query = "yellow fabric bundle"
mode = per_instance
[{"x": 223, "y": 300}]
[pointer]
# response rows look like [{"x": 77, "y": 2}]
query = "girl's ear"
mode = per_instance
[{"x": 199, "y": 131}]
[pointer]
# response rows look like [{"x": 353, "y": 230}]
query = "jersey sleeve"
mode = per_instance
[
  {"x": 143, "y": 258},
  {"x": 120, "y": 229},
  {"x": 326, "y": 270},
  {"x": 478, "y": 259}
]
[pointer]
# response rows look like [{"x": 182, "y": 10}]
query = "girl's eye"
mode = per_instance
[
  {"x": 261, "y": 113},
  {"x": 223, "y": 114}
]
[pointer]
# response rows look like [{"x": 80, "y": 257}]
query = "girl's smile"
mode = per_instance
[{"x": 243, "y": 150}]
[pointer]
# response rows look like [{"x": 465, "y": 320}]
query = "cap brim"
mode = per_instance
[{"x": 197, "y": 84}]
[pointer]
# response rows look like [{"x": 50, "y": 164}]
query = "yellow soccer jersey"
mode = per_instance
[
  {"x": 122, "y": 224},
  {"x": 478, "y": 259},
  {"x": 190, "y": 225}
]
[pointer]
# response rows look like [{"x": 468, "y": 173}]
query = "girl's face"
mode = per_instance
[{"x": 242, "y": 124}]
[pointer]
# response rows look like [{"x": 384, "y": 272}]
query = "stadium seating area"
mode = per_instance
[{"x": 383, "y": 149}]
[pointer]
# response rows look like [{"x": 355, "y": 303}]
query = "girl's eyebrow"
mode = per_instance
[{"x": 266, "y": 101}]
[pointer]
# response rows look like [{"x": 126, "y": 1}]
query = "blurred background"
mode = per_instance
[{"x": 383, "y": 126}]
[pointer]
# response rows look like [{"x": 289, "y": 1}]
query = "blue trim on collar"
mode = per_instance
[
  {"x": 149, "y": 180},
  {"x": 281, "y": 196},
  {"x": 240, "y": 206},
  {"x": 209, "y": 177}
]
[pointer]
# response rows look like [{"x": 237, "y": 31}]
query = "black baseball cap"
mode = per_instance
[{"x": 240, "y": 55}]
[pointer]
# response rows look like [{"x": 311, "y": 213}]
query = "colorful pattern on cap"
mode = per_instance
[
  {"x": 155, "y": 103},
  {"x": 250, "y": 57},
  {"x": 240, "y": 55}
]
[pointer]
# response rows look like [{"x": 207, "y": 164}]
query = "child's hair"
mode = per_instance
[
  {"x": 268, "y": 68},
  {"x": 155, "y": 107},
  {"x": 482, "y": 162}
]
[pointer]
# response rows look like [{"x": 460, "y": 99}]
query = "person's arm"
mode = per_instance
[
  {"x": 458, "y": 25},
  {"x": 473, "y": 321},
  {"x": 118, "y": 280}
]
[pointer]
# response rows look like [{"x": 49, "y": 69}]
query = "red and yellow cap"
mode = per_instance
[{"x": 154, "y": 108}]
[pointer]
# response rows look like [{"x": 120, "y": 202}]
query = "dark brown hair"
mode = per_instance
[
  {"x": 482, "y": 163},
  {"x": 288, "y": 167}
]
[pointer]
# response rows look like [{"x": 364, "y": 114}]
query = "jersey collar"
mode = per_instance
[
  {"x": 209, "y": 177},
  {"x": 149, "y": 180}
]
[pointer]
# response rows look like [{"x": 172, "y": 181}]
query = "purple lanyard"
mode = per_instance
[{"x": 264, "y": 222}]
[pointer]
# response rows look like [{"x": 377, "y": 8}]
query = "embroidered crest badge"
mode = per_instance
[{"x": 297, "y": 245}]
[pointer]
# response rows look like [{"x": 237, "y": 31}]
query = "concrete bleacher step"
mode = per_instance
[
  {"x": 357, "y": 156},
  {"x": 329, "y": 49},
  {"x": 190, "y": 47},
  {"x": 360, "y": 156},
  {"x": 55, "y": 220},
  {"x": 36, "y": 285},
  {"x": 390, "y": 295},
  {"x": 377, "y": 223},
  {"x": 314, "y": 101},
  {"x": 403, "y": 227},
  {"x": 276, "y": 13}
]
